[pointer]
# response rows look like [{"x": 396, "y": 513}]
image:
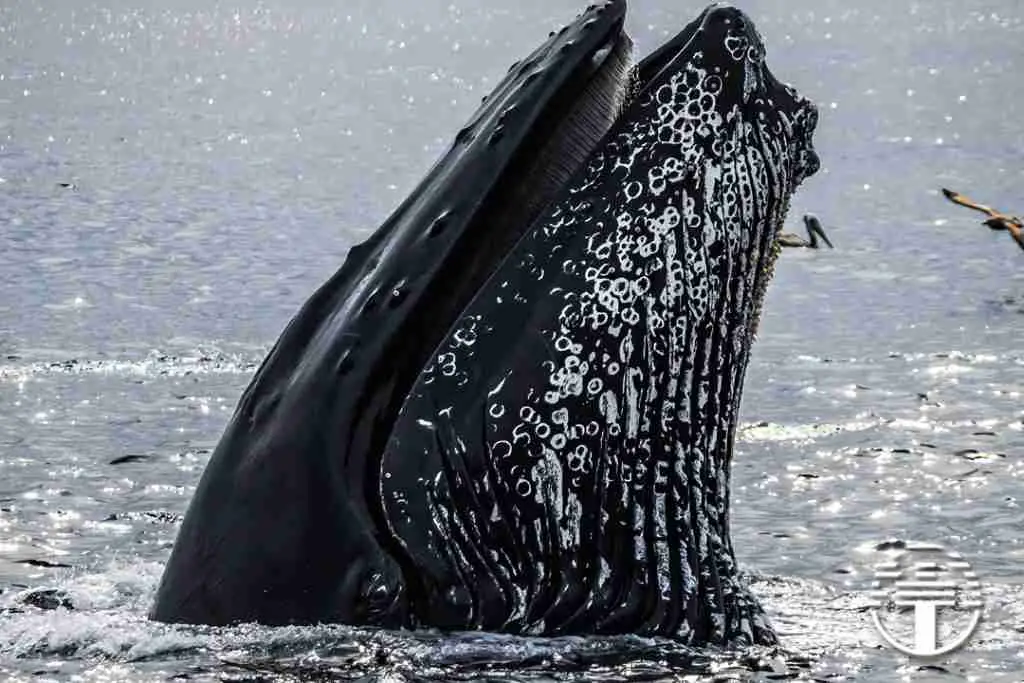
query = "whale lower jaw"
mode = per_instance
[
  {"x": 577, "y": 480},
  {"x": 581, "y": 566}
]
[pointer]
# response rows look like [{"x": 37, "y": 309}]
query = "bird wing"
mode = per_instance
[{"x": 958, "y": 198}]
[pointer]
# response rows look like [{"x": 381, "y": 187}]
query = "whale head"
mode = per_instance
[{"x": 513, "y": 407}]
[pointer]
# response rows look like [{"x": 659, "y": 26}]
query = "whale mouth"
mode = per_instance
[
  {"x": 513, "y": 406},
  {"x": 601, "y": 83}
]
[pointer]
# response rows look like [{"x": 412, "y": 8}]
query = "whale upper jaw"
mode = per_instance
[{"x": 346, "y": 486}]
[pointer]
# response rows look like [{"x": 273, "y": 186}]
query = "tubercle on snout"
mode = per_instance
[{"x": 540, "y": 75}]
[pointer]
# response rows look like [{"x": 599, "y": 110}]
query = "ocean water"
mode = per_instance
[{"x": 177, "y": 177}]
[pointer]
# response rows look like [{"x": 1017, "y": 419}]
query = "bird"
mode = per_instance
[
  {"x": 814, "y": 230},
  {"x": 996, "y": 220}
]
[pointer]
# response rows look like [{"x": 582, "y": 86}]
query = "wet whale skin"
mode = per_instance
[{"x": 526, "y": 430}]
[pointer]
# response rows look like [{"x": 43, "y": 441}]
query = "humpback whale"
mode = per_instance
[{"x": 513, "y": 407}]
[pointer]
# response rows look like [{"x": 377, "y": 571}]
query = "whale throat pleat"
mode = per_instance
[{"x": 589, "y": 392}]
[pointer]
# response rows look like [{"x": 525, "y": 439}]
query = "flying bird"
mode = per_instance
[{"x": 996, "y": 219}]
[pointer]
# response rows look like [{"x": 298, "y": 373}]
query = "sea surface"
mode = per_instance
[{"x": 176, "y": 177}]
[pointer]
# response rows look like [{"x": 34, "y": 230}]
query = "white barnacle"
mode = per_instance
[
  {"x": 528, "y": 415},
  {"x": 520, "y": 435},
  {"x": 633, "y": 190}
]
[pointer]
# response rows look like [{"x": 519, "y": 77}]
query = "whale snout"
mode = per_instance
[{"x": 731, "y": 40}]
